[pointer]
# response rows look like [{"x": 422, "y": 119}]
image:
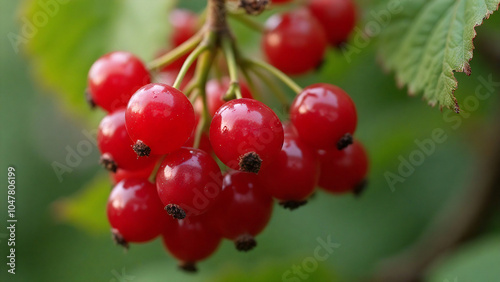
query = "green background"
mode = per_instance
[{"x": 62, "y": 232}]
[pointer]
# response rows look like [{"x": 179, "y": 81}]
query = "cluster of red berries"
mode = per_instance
[
  {"x": 164, "y": 164},
  {"x": 295, "y": 42}
]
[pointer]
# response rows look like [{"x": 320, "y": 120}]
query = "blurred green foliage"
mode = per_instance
[{"x": 38, "y": 128}]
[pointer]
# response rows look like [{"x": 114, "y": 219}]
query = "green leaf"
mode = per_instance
[
  {"x": 475, "y": 262},
  {"x": 86, "y": 209},
  {"x": 426, "y": 42},
  {"x": 78, "y": 32}
]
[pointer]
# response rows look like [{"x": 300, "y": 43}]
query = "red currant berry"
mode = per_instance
[
  {"x": 204, "y": 142},
  {"x": 116, "y": 146},
  {"x": 188, "y": 182},
  {"x": 135, "y": 212},
  {"x": 294, "y": 42},
  {"x": 114, "y": 78},
  {"x": 191, "y": 240},
  {"x": 324, "y": 116},
  {"x": 343, "y": 171},
  {"x": 246, "y": 134},
  {"x": 216, "y": 89},
  {"x": 338, "y": 18},
  {"x": 289, "y": 129},
  {"x": 122, "y": 174},
  {"x": 242, "y": 210},
  {"x": 159, "y": 119},
  {"x": 185, "y": 25},
  {"x": 293, "y": 175}
]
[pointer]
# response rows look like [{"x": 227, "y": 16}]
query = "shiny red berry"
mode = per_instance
[
  {"x": 343, "y": 171},
  {"x": 216, "y": 89},
  {"x": 116, "y": 146},
  {"x": 324, "y": 116},
  {"x": 188, "y": 182},
  {"x": 159, "y": 119},
  {"x": 293, "y": 175},
  {"x": 114, "y": 78},
  {"x": 122, "y": 174},
  {"x": 246, "y": 134},
  {"x": 294, "y": 42},
  {"x": 184, "y": 26},
  {"x": 242, "y": 210},
  {"x": 135, "y": 212},
  {"x": 191, "y": 240},
  {"x": 338, "y": 18}
]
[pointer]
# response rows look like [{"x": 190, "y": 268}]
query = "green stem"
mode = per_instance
[
  {"x": 229, "y": 52},
  {"x": 248, "y": 21},
  {"x": 277, "y": 91},
  {"x": 276, "y": 72},
  {"x": 187, "y": 64},
  {"x": 152, "y": 176},
  {"x": 194, "y": 95},
  {"x": 251, "y": 84},
  {"x": 177, "y": 52},
  {"x": 203, "y": 69},
  {"x": 199, "y": 131}
]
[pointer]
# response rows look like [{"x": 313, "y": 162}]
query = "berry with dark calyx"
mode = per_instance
[
  {"x": 338, "y": 18},
  {"x": 191, "y": 240},
  {"x": 343, "y": 171},
  {"x": 88, "y": 99},
  {"x": 175, "y": 211},
  {"x": 323, "y": 115},
  {"x": 135, "y": 212},
  {"x": 184, "y": 26},
  {"x": 293, "y": 205},
  {"x": 294, "y": 42},
  {"x": 159, "y": 119},
  {"x": 242, "y": 210},
  {"x": 293, "y": 175},
  {"x": 345, "y": 141},
  {"x": 108, "y": 163},
  {"x": 246, "y": 134},
  {"x": 188, "y": 182},
  {"x": 114, "y": 78},
  {"x": 116, "y": 146},
  {"x": 216, "y": 89}
]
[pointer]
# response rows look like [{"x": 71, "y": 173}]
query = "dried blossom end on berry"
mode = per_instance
[
  {"x": 141, "y": 149},
  {"x": 245, "y": 243},
  {"x": 250, "y": 162},
  {"x": 175, "y": 211}
]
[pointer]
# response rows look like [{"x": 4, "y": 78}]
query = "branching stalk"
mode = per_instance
[
  {"x": 234, "y": 88},
  {"x": 274, "y": 71},
  {"x": 177, "y": 53}
]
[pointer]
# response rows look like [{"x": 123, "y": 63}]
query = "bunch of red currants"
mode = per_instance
[{"x": 165, "y": 147}]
